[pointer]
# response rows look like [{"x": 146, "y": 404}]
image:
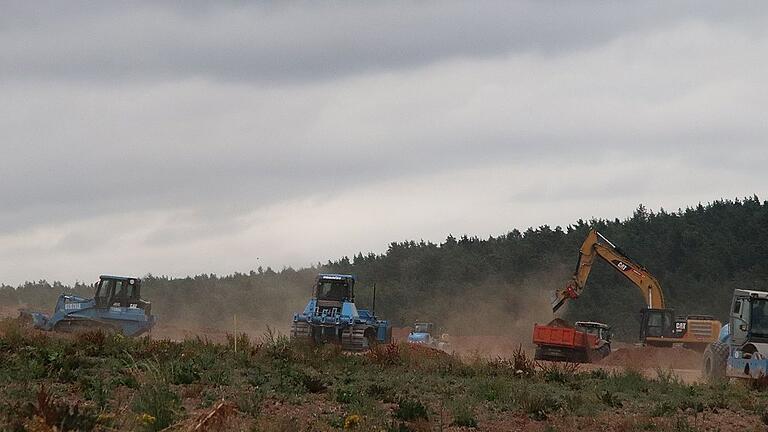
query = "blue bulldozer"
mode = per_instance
[
  {"x": 742, "y": 348},
  {"x": 332, "y": 317},
  {"x": 117, "y": 308}
]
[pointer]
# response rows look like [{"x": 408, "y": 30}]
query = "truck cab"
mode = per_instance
[{"x": 601, "y": 331}]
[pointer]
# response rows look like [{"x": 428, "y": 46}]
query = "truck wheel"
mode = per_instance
[
  {"x": 538, "y": 355},
  {"x": 604, "y": 351},
  {"x": 715, "y": 359}
]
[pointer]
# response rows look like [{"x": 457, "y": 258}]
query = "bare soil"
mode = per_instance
[{"x": 649, "y": 357}]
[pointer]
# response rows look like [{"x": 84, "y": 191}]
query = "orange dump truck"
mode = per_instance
[{"x": 584, "y": 342}]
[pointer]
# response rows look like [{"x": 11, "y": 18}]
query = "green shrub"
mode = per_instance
[
  {"x": 410, "y": 409},
  {"x": 218, "y": 376},
  {"x": 682, "y": 425},
  {"x": 249, "y": 402},
  {"x": 159, "y": 403},
  {"x": 276, "y": 346},
  {"x": 288, "y": 378},
  {"x": 463, "y": 416},
  {"x": 257, "y": 377},
  {"x": 97, "y": 389},
  {"x": 539, "y": 403},
  {"x": 382, "y": 392},
  {"x": 598, "y": 374},
  {"x": 662, "y": 409},
  {"x": 314, "y": 383},
  {"x": 609, "y": 398},
  {"x": 208, "y": 398},
  {"x": 629, "y": 381},
  {"x": 51, "y": 413},
  {"x": 345, "y": 395},
  {"x": 184, "y": 371}
]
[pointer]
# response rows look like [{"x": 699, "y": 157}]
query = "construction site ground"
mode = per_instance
[{"x": 192, "y": 379}]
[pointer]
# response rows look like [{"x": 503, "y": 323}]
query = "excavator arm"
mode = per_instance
[{"x": 595, "y": 245}]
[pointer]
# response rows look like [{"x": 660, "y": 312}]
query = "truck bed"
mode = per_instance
[{"x": 566, "y": 337}]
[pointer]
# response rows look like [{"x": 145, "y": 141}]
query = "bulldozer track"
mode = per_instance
[
  {"x": 353, "y": 338},
  {"x": 300, "y": 330},
  {"x": 81, "y": 325}
]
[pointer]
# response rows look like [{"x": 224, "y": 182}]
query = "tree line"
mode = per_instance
[{"x": 492, "y": 285}]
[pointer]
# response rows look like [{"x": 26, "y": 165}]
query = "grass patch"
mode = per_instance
[
  {"x": 411, "y": 409},
  {"x": 393, "y": 387}
]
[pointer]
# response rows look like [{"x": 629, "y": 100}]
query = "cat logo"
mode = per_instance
[{"x": 621, "y": 265}]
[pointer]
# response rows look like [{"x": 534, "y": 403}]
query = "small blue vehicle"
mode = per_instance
[
  {"x": 332, "y": 317},
  {"x": 422, "y": 334},
  {"x": 742, "y": 348},
  {"x": 117, "y": 307}
]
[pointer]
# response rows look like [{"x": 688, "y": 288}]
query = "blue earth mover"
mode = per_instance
[
  {"x": 332, "y": 317},
  {"x": 741, "y": 351},
  {"x": 117, "y": 307}
]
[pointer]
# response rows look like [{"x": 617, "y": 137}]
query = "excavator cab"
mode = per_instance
[{"x": 656, "y": 323}]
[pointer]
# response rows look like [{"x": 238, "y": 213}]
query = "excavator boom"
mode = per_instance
[{"x": 596, "y": 245}]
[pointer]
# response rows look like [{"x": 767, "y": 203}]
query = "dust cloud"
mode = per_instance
[
  {"x": 489, "y": 318},
  {"x": 494, "y": 319}
]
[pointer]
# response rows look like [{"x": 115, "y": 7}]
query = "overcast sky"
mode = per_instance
[{"x": 189, "y": 137}]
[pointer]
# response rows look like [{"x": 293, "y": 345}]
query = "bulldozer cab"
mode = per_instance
[
  {"x": 117, "y": 291},
  {"x": 335, "y": 288}
]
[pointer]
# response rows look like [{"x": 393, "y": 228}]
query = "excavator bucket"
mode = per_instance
[{"x": 560, "y": 296}]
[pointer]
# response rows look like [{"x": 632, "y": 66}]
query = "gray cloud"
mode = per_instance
[
  {"x": 307, "y": 41},
  {"x": 204, "y": 135}
]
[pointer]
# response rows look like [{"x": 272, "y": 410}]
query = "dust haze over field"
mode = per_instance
[
  {"x": 491, "y": 325},
  {"x": 451, "y": 155},
  {"x": 501, "y": 313},
  {"x": 505, "y": 317}
]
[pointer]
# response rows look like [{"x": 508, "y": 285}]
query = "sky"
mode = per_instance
[{"x": 179, "y": 138}]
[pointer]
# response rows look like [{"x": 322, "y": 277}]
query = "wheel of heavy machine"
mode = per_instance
[{"x": 715, "y": 359}]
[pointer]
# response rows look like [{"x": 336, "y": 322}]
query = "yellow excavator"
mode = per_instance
[{"x": 659, "y": 326}]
